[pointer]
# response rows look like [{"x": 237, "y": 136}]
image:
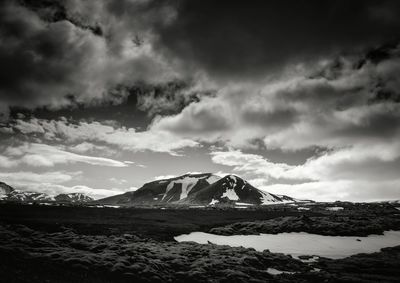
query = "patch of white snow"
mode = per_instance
[
  {"x": 212, "y": 179},
  {"x": 230, "y": 194},
  {"x": 334, "y": 208},
  {"x": 213, "y": 201},
  {"x": 243, "y": 203},
  {"x": 274, "y": 271}
]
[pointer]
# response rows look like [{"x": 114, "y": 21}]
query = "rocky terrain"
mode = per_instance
[
  {"x": 28, "y": 255},
  {"x": 89, "y": 244},
  {"x": 356, "y": 220}
]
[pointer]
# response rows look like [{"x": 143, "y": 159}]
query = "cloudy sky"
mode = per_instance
[{"x": 298, "y": 97}]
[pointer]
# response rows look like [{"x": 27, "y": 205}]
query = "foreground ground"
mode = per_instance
[{"x": 79, "y": 244}]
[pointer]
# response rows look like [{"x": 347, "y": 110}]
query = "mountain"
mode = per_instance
[
  {"x": 197, "y": 189},
  {"x": 8, "y": 193},
  {"x": 5, "y": 189},
  {"x": 232, "y": 189},
  {"x": 22, "y": 196},
  {"x": 73, "y": 198},
  {"x": 164, "y": 191}
]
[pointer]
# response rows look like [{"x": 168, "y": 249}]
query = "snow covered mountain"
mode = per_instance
[
  {"x": 234, "y": 190},
  {"x": 73, "y": 198},
  {"x": 197, "y": 189},
  {"x": 8, "y": 193},
  {"x": 165, "y": 191},
  {"x": 23, "y": 196}
]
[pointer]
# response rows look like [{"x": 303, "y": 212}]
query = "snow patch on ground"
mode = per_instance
[
  {"x": 334, "y": 208},
  {"x": 274, "y": 271},
  {"x": 303, "y": 208},
  {"x": 311, "y": 244},
  {"x": 105, "y": 206},
  {"x": 243, "y": 203}
]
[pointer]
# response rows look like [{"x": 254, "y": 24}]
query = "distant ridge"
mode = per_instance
[
  {"x": 8, "y": 193},
  {"x": 73, "y": 198}
]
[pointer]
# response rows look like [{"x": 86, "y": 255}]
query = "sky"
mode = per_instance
[{"x": 297, "y": 97}]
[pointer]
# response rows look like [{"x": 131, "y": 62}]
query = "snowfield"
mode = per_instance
[{"x": 297, "y": 244}]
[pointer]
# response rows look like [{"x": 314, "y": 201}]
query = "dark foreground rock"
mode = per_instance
[
  {"x": 128, "y": 257},
  {"x": 333, "y": 225},
  {"x": 28, "y": 255}
]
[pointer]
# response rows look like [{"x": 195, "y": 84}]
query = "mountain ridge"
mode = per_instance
[
  {"x": 197, "y": 189},
  {"x": 8, "y": 193},
  {"x": 190, "y": 189}
]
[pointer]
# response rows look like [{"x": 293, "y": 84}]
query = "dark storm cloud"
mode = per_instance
[
  {"x": 237, "y": 38},
  {"x": 54, "y": 11},
  {"x": 58, "y": 53},
  {"x": 167, "y": 99},
  {"x": 338, "y": 103}
]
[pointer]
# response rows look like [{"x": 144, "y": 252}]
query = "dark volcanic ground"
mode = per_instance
[
  {"x": 80, "y": 244},
  {"x": 158, "y": 224}
]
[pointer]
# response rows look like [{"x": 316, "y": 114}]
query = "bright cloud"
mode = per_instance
[
  {"x": 26, "y": 178},
  {"x": 37, "y": 155},
  {"x": 84, "y": 132},
  {"x": 352, "y": 173}
]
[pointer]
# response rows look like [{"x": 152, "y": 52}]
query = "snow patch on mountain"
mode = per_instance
[
  {"x": 230, "y": 194},
  {"x": 187, "y": 183},
  {"x": 212, "y": 179},
  {"x": 213, "y": 201},
  {"x": 267, "y": 198}
]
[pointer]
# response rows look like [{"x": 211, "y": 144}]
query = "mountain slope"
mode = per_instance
[
  {"x": 164, "y": 191},
  {"x": 121, "y": 199},
  {"x": 5, "y": 189},
  {"x": 232, "y": 189}
]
